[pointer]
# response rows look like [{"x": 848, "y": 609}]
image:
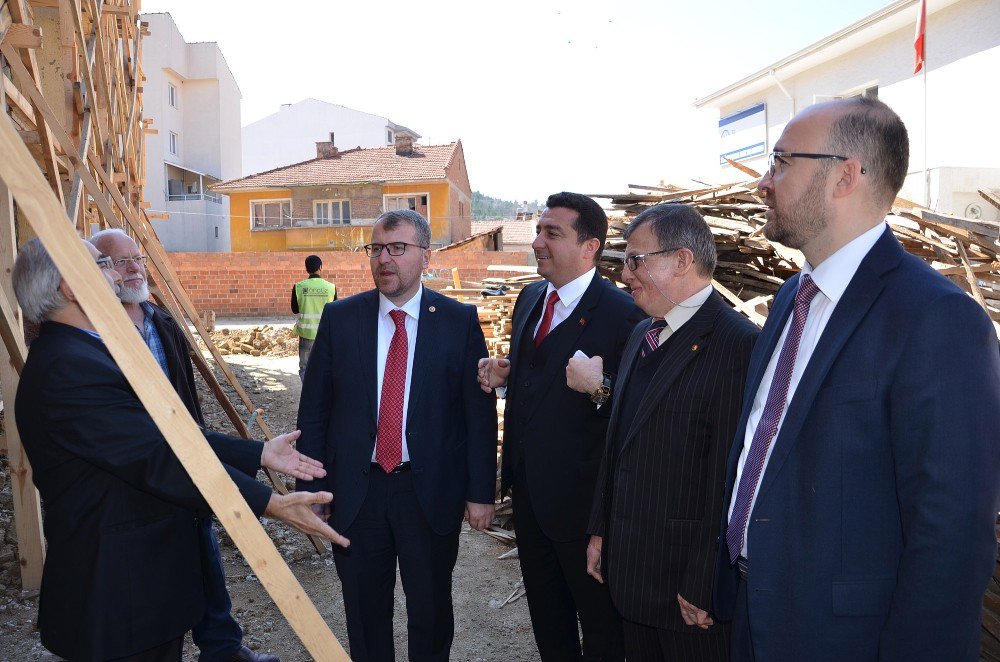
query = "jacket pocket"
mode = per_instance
[{"x": 863, "y": 598}]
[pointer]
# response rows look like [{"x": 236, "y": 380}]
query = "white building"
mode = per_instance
[
  {"x": 876, "y": 56},
  {"x": 194, "y": 102},
  {"x": 290, "y": 135}
]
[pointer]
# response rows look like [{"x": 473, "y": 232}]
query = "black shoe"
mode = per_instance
[{"x": 244, "y": 654}]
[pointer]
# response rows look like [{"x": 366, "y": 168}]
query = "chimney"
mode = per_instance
[
  {"x": 404, "y": 145},
  {"x": 326, "y": 150}
]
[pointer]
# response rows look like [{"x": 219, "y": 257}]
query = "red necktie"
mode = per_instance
[
  {"x": 543, "y": 328},
  {"x": 653, "y": 337},
  {"x": 389, "y": 452}
]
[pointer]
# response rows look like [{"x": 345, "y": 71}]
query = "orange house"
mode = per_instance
[{"x": 332, "y": 201}]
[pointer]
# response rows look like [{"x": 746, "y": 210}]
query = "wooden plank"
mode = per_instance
[
  {"x": 988, "y": 229},
  {"x": 27, "y": 504},
  {"x": 977, "y": 293},
  {"x": 20, "y": 35},
  {"x": 45, "y": 214},
  {"x": 740, "y": 305}
]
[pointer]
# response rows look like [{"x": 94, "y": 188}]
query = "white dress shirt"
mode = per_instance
[
  {"x": 386, "y": 328},
  {"x": 569, "y": 296},
  {"x": 832, "y": 277},
  {"x": 682, "y": 312}
]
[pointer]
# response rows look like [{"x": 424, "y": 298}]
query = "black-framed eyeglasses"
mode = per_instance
[
  {"x": 395, "y": 248},
  {"x": 778, "y": 160},
  {"x": 632, "y": 261},
  {"x": 105, "y": 263},
  {"x": 138, "y": 260}
]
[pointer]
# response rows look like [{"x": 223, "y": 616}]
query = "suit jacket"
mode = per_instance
[
  {"x": 872, "y": 536},
  {"x": 122, "y": 572},
  {"x": 659, "y": 497},
  {"x": 557, "y": 432},
  {"x": 450, "y": 422},
  {"x": 177, "y": 349}
]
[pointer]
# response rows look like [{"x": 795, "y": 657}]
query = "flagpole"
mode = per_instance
[{"x": 927, "y": 175}]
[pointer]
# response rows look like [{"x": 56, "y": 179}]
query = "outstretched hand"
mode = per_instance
[
  {"x": 280, "y": 455},
  {"x": 493, "y": 373},
  {"x": 296, "y": 510}
]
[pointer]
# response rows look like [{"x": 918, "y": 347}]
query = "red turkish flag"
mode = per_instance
[{"x": 918, "y": 38}]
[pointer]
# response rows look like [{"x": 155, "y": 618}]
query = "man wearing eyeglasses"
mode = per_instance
[
  {"x": 391, "y": 406},
  {"x": 218, "y": 635},
  {"x": 864, "y": 481},
  {"x": 659, "y": 495},
  {"x": 554, "y": 436}
]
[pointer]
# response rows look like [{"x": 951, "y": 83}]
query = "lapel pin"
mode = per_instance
[
  {"x": 694, "y": 348},
  {"x": 583, "y": 322},
  {"x": 432, "y": 309}
]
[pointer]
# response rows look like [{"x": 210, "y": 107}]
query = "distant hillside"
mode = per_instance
[{"x": 486, "y": 207}]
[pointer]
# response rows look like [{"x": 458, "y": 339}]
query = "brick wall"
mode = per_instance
[{"x": 260, "y": 284}]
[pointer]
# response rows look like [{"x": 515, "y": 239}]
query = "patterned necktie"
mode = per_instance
[
  {"x": 543, "y": 328},
  {"x": 767, "y": 428},
  {"x": 389, "y": 453},
  {"x": 652, "y": 340}
]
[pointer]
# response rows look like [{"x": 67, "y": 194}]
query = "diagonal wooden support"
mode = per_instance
[{"x": 47, "y": 217}]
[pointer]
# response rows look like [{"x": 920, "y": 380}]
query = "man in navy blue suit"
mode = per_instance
[
  {"x": 863, "y": 484},
  {"x": 391, "y": 405}
]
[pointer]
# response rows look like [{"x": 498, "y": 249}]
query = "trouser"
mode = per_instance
[
  {"x": 305, "y": 347},
  {"x": 391, "y": 527},
  {"x": 168, "y": 652},
  {"x": 559, "y": 590},
  {"x": 649, "y": 644},
  {"x": 217, "y": 635}
]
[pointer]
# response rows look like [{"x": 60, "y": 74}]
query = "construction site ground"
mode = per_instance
[{"x": 483, "y": 629}]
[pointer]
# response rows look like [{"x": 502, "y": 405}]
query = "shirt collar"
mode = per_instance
[
  {"x": 147, "y": 309},
  {"x": 834, "y": 274},
  {"x": 681, "y": 313},
  {"x": 571, "y": 292},
  {"x": 411, "y": 307}
]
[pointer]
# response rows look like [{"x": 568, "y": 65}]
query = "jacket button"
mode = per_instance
[
  {"x": 364, "y": 471},
  {"x": 527, "y": 384}
]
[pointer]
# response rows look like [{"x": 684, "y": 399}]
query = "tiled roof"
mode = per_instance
[
  {"x": 514, "y": 232},
  {"x": 377, "y": 164},
  {"x": 495, "y": 228}
]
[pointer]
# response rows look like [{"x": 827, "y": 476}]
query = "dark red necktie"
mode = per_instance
[
  {"x": 653, "y": 337},
  {"x": 389, "y": 451},
  {"x": 543, "y": 328}
]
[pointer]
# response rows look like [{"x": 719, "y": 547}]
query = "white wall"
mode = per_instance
[
  {"x": 963, "y": 56},
  {"x": 290, "y": 135}
]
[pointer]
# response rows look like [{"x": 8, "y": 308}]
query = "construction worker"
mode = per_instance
[{"x": 308, "y": 298}]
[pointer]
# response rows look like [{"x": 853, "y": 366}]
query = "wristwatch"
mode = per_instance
[{"x": 602, "y": 392}]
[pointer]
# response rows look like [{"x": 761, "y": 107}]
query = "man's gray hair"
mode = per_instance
[
  {"x": 678, "y": 225},
  {"x": 36, "y": 282},
  {"x": 392, "y": 219},
  {"x": 97, "y": 238}
]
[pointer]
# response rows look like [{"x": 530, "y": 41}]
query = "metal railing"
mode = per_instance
[{"x": 195, "y": 196}]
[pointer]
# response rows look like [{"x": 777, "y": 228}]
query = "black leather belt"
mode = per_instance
[
  {"x": 402, "y": 468},
  {"x": 743, "y": 567}
]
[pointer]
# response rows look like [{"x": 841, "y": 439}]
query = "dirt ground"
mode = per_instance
[{"x": 483, "y": 629}]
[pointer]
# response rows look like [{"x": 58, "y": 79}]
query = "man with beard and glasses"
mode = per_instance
[
  {"x": 391, "y": 405},
  {"x": 863, "y": 484},
  {"x": 218, "y": 635}
]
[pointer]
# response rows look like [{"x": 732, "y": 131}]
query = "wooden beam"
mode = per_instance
[
  {"x": 21, "y": 35},
  {"x": 45, "y": 214}
]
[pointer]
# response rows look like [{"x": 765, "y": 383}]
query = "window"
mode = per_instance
[
  {"x": 388, "y": 137},
  {"x": 270, "y": 214},
  {"x": 173, "y": 143},
  {"x": 415, "y": 202},
  {"x": 172, "y": 95},
  {"x": 216, "y": 231},
  {"x": 461, "y": 209},
  {"x": 332, "y": 140},
  {"x": 332, "y": 212}
]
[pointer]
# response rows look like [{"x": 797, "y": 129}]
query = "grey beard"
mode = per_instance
[{"x": 131, "y": 295}]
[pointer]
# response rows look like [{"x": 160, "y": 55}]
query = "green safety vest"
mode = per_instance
[{"x": 312, "y": 294}]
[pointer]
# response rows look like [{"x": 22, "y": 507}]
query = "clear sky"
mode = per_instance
[{"x": 546, "y": 96}]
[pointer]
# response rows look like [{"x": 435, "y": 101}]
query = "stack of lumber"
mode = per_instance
[{"x": 990, "y": 641}]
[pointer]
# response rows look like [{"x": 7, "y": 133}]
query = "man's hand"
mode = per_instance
[
  {"x": 296, "y": 510},
  {"x": 479, "y": 515},
  {"x": 594, "y": 557},
  {"x": 585, "y": 375},
  {"x": 694, "y": 615},
  {"x": 493, "y": 373},
  {"x": 279, "y": 455}
]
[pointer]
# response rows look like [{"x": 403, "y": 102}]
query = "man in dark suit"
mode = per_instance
[
  {"x": 218, "y": 636},
  {"x": 863, "y": 484},
  {"x": 391, "y": 406},
  {"x": 123, "y": 571},
  {"x": 659, "y": 493},
  {"x": 553, "y": 436}
]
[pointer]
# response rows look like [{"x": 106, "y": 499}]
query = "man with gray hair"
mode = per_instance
[
  {"x": 218, "y": 636},
  {"x": 659, "y": 492},
  {"x": 391, "y": 405},
  {"x": 122, "y": 576}
]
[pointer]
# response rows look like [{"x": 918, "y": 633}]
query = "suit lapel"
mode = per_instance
[
  {"x": 561, "y": 347},
  {"x": 531, "y": 299},
  {"x": 684, "y": 345},
  {"x": 428, "y": 329},
  {"x": 368, "y": 349},
  {"x": 858, "y": 298},
  {"x": 625, "y": 373}
]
